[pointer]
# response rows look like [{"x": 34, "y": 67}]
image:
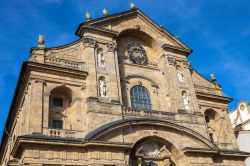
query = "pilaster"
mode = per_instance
[
  {"x": 36, "y": 106},
  {"x": 89, "y": 52}
]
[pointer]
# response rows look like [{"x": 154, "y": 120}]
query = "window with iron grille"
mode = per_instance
[{"x": 140, "y": 98}]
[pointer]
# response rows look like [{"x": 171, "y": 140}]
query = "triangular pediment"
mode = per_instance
[{"x": 135, "y": 19}]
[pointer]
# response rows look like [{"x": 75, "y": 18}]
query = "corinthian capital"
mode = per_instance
[
  {"x": 171, "y": 61},
  {"x": 88, "y": 42},
  {"x": 111, "y": 46},
  {"x": 187, "y": 64}
]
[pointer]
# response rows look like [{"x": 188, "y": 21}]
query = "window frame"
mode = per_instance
[
  {"x": 140, "y": 98},
  {"x": 56, "y": 127}
]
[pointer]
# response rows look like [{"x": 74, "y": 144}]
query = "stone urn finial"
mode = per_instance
[
  {"x": 41, "y": 41},
  {"x": 105, "y": 12},
  {"x": 87, "y": 16},
  {"x": 132, "y": 5},
  {"x": 213, "y": 78}
]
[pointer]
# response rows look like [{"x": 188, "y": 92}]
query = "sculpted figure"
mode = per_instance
[
  {"x": 180, "y": 74},
  {"x": 100, "y": 59},
  {"x": 185, "y": 101},
  {"x": 103, "y": 88}
]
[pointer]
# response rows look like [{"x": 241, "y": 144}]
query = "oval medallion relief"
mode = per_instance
[{"x": 137, "y": 54}]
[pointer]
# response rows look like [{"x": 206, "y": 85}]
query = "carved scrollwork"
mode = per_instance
[
  {"x": 111, "y": 46},
  {"x": 171, "y": 61},
  {"x": 88, "y": 42}
]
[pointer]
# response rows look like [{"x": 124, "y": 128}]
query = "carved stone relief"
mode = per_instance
[
  {"x": 150, "y": 149},
  {"x": 137, "y": 54}
]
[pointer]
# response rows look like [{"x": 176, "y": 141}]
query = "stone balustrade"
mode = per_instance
[
  {"x": 180, "y": 117},
  {"x": 62, "y": 133},
  {"x": 128, "y": 111},
  {"x": 65, "y": 63}
]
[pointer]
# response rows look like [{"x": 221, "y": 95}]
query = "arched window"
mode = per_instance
[{"x": 140, "y": 98}]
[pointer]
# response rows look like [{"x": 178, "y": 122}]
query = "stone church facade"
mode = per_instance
[{"x": 123, "y": 94}]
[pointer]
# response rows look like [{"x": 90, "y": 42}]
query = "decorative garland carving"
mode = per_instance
[{"x": 88, "y": 42}]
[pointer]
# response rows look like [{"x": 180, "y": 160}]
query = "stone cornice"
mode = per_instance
[
  {"x": 200, "y": 150},
  {"x": 209, "y": 97},
  {"x": 171, "y": 48},
  {"x": 234, "y": 153},
  {"x": 96, "y": 30},
  {"x": 32, "y": 140},
  {"x": 52, "y": 69}
]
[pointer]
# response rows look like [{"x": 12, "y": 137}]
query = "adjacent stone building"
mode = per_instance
[
  {"x": 123, "y": 94},
  {"x": 240, "y": 119}
]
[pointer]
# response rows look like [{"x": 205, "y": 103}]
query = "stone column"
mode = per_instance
[
  {"x": 89, "y": 52},
  {"x": 36, "y": 106}
]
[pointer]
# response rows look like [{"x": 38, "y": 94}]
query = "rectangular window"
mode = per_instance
[
  {"x": 57, "y": 124},
  {"x": 57, "y": 102}
]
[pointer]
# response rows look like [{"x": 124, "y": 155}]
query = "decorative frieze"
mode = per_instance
[{"x": 88, "y": 42}]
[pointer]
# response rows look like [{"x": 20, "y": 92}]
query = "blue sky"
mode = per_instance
[{"x": 218, "y": 32}]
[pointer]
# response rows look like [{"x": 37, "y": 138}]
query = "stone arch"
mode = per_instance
[
  {"x": 149, "y": 44},
  {"x": 180, "y": 140},
  {"x": 140, "y": 80},
  {"x": 153, "y": 83},
  {"x": 104, "y": 132}
]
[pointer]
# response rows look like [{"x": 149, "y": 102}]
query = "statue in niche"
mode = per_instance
[
  {"x": 100, "y": 59},
  {"x": 185, "y": 101},
  {"x": 180, "y": 74},
  {"x": 103, "y": 88}
]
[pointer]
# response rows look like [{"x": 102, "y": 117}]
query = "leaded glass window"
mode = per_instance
[{"x": 140, "y": 98}]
